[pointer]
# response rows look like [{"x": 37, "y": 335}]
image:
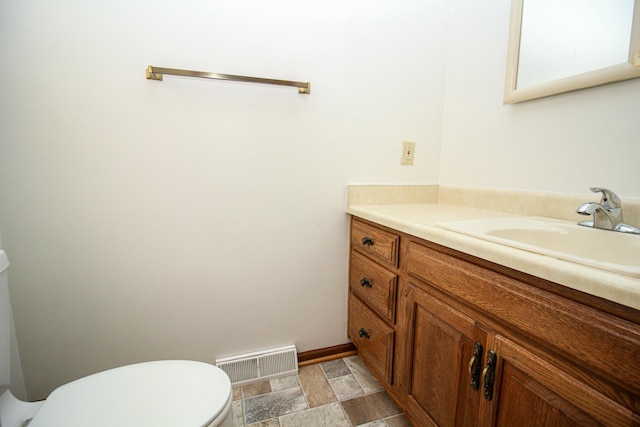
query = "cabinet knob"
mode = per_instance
[
  {"x": 489, "y": 374},
  {"x": 475, "y": 365},
  {"x": 367, "y": 241},
  {"x": 366, "y": 282},
  {"x": 364, "y": 334}
]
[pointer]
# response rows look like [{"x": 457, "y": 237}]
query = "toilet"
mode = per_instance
[{"x": 166, "y": 393}]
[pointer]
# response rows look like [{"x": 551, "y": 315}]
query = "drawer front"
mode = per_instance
[
  {"x": 375, "y": 285},
  {"x": 373, "y": 338},
  {"x": 376, "y": 242}
]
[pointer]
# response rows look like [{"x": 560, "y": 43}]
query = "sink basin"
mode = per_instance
[{"x": 607, "y": 250}]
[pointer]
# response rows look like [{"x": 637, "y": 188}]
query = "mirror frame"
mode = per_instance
[{"x": 615, "y": 73}]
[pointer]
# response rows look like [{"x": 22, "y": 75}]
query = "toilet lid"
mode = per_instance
[{"x": 168, "y": 393}]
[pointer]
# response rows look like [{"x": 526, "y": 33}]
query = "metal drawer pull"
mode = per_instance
[
  {"x": 489, "y": 374},
  {"x": 367, "y": 241},
  {"x": 364, "y": 334},
  {"x": 475, "y": 365},
  {"x": 366, "y": 282}
]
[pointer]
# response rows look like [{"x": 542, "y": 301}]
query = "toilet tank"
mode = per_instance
[{"x": 5, "y": 322}]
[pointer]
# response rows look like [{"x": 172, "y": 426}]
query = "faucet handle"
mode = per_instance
[{"x": 609, "y": 200}]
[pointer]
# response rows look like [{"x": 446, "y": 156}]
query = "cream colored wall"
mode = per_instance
[
  {"x": 565, "y": 143},
  {"x": 192, "y": 218}
]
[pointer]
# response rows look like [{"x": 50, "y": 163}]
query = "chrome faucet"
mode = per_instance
[{"x": 607, "y": 214}]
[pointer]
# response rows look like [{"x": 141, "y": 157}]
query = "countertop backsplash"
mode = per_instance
[{"x": 518, "y": 202}]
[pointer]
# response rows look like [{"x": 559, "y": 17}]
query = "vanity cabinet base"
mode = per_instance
[{"x": 474, "y": 343}]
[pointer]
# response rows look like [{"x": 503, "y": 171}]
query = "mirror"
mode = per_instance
[{"x": 557, "y": 46}]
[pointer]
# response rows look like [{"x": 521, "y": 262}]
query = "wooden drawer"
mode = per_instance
[
  {"x": 375, "y": 285},
  {"x": 373, "y": 338},
  {"x": 378, "y": 243}
]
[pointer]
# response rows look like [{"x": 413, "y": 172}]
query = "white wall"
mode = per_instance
[
  {"x": 193, "y": 218},
  {"x": 565, "y": 143}
]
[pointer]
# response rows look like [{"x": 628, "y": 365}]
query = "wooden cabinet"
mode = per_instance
[
  {"x": 379, "y": 244},
  {"x": 537, "y": 392},
  {"x": 372, "y": 296},
  {"x": 463, "y": 375},
  {"x": 439, "y": 353},
  {"x": 375, "y": 285},
  {"x": 373, "y": 337},
  {"x": 461, "y": 341}
]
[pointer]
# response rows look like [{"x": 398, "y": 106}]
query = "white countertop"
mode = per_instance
[{"x": 420, "y": 220}]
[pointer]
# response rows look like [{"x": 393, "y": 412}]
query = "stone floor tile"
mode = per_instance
[
  {"x": 315, "y": 386},
  {"x": 275, "y": 404},
  {"x": 398, "y": 421},
  {"x": 256, "y": 389},
  {"x": 237, "y": 393},
  {"x": 273, "y": 422},
  {"x": 346, "y": 387},
  {"x": 377, "y": 423},
  {"x": 335, "y": 368},
  {"x": 370, "y": 407},
  {"x": 367, "y": 381},
  {"x": 283, "y": 383},
  {"x": 238, "y": 413},
  {"x": 311, "y": 399},
  {"x": 322, "y": 416}
]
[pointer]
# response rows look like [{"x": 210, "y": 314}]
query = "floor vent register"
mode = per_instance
[{"x": 260, "y": 365}]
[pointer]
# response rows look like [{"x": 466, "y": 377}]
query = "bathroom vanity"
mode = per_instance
[{"x": 463, "y": 332}]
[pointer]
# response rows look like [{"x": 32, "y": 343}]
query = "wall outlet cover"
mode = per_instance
[{"x": 408, "y": 152}]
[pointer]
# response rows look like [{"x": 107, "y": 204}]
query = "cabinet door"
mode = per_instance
[
  {"x": 532, "y": 392},
  {"x": 439, "y": 358}
]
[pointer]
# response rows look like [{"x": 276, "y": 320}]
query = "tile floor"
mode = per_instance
[{"x": 337, "y": 393}]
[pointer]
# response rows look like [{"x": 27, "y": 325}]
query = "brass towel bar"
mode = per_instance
[{"x": 155, "y": 73}]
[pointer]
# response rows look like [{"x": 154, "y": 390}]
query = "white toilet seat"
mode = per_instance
[{"x": 168, "y": 393}]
